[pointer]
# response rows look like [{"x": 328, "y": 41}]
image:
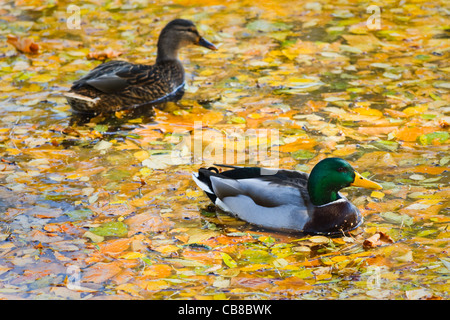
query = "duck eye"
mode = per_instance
[{"x": 341, "y": 169}]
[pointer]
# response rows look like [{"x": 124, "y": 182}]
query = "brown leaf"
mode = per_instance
[
  {"x": 148, "y": 222},
  {"x": 112, "y": 209},
  {"x": 43, "y": 237},
  {"x": 115, "y": 246},
  {"x": 103, "y": 55},
  {"x": 378, "y": 239},
  {"x": 24, "y": 45},
  {"x": 254, "y": 283},
  {"x": 100, "y": 272},
  {"x": 292, "y": 285}
]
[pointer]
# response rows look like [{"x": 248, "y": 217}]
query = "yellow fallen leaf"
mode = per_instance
[
  {"x": 206, "y": 72},
  {"x": 42, "y": 78},
  {"x": 158, "y": 271},
  {"x": 339, "y": 258},
  {"x": 228, "y": 260},
  {"x": 75, "y": 176},
  {"x": 169, "y": 248},
  {"x": 193, "y": 193},
  {"x": 364, "y": 42},
  {"x": 255, "y": 116},
  {"x": 377, "y": 194},
  {"x": 13, "y": 151},
  {"x": 280, "y": 263},
  {"x": 211, "y": 117},
  {"x": 323, "y": 276},
  {"x": 141, "y": 155},
  {"x": 145, "y": 171},
  {"x": 345, "y": 151},
  {"x": 257, "y": 266},
  {"x": 412, "y": 111},
  {"x": 33, "y": 87},
  {"x": 130, "y": 288},
  {"x": 132, "y": 255},
  {"x": 7, "y": 88},
  {"x": 301, "y": 143},
  {"x": 155, "y": 285},
  {"x": 366, "y": 111}
]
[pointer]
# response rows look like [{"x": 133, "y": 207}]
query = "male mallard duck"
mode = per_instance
[
  {"x": 117, "y": 85},
  {"x": 288, "y": 200}
]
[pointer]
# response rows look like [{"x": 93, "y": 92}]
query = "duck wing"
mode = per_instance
[
  {"x": 109, "y": 77},
  {"x": 269, "y": 198},
  {"x": 114, "y": 77}
]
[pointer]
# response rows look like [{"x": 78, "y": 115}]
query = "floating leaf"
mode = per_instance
[
  {"x": 112, "y": 228},
  {"x": 402, "y": 219},
  {"x": 446, "y": 263},
  {"x": 302, "y": 155},
  {"x": 267, "y": 26},
  {"x": 425, "y": 233},
  {"x": 101, "y": 272},
  {"x": 103, "y": 145},
  {"x": 94, "y": 237},
  {"x": 319, "y": 239},
  {"x": 132, "y": 255},
  {"x": 165, "y": 249},
  {"x": 378, "y": 239},
  {"x": 80, "y": 214},
  {"x": 103, "y": 55},
  {"x": 228, "y": 260},
  {"x": 280, "y": 263},
  {"x": 25, "y": 45},
  {"x": 438, "y": 137},
  {"x": 377, "y": 194},
  {"x": 368, "y": 111},
  {"x": 407, "y": 257}
]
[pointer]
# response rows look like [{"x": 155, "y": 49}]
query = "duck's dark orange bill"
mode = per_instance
[{"x": 205, "y": 43}]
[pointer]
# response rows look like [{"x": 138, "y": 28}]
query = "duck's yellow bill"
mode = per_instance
[{"x": 360, "y": 181}]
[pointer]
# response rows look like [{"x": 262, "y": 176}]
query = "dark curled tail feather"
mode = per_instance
[{"x": 204, "y": 175}]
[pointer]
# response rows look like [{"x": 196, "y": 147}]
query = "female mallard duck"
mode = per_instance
[
  {"x": 118, "y": 85},
  {"x": 288, "y": 200}
]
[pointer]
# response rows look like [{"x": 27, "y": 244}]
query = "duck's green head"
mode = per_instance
[{"x": 331, "y": 175}]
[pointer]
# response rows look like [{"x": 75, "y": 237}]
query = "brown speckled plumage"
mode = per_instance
[{"x": 119, "y": 85}]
